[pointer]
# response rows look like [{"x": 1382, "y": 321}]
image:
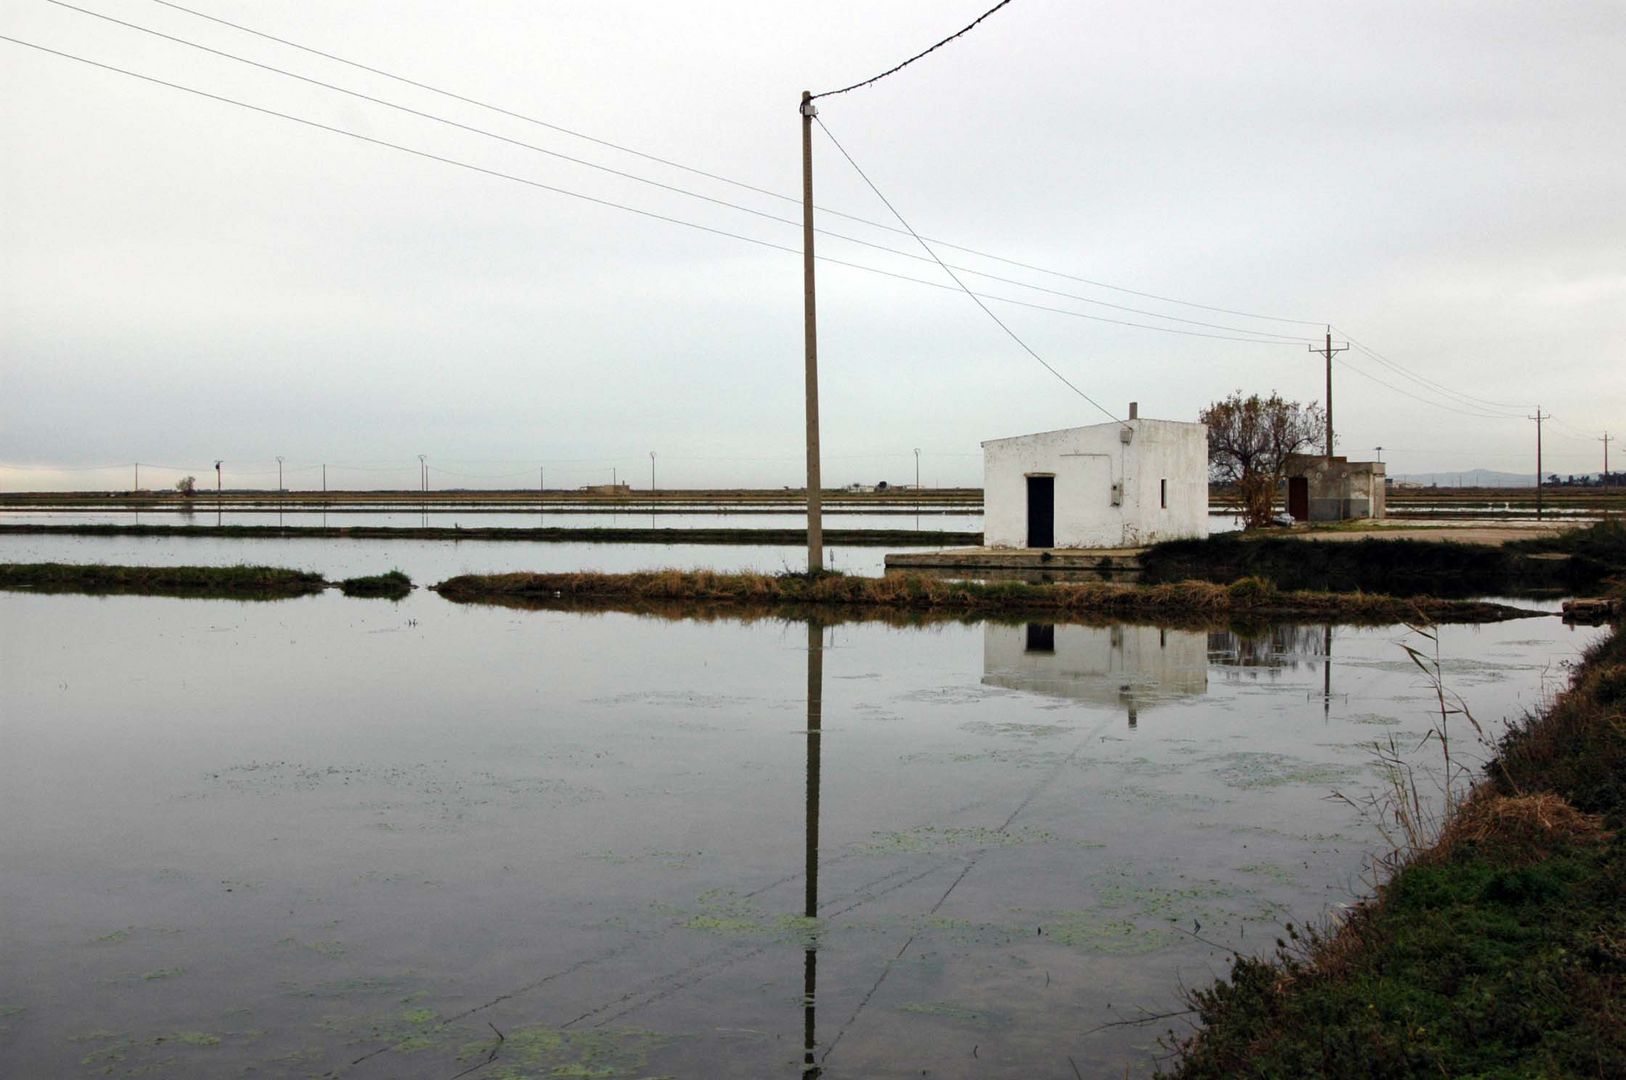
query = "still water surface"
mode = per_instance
[
  {"x": 332, "y": 837},
  {"x": 426, "y": 561}
]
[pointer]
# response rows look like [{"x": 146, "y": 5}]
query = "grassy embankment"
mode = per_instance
[
  {"x": 1497, "y": 950},
  {"x": 1577, "y": 560},
  {"x": 1250, "y": 597},
  {"x": 192, "y": 582},
  {"x": 233, "y": 582}
]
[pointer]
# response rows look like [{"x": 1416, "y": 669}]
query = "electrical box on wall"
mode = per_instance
[{"x": 1118, "y": 493}]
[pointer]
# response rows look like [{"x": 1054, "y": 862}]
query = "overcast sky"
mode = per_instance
[{"x": 184, "y": 279}]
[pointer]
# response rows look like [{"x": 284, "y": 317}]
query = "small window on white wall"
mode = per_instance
[{"x": 1163, "y": 493}]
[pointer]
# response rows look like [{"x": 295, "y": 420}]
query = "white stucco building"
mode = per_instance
[{"x": 1118, "y": 484}]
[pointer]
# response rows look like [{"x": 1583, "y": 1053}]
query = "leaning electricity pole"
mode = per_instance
[
  {"x": 1538, "y": 418},
  {"x": 815, "y": 526},
  {"x": 1328, "y": 350}
]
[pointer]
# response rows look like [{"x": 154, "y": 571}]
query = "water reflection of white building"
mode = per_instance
[{"x": 1129, "y": 667}]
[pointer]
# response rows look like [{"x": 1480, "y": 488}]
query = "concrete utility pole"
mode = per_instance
[
  {"x": 423, "y": 473},
  {"x": 652, "y": 472},
  {"x": 1538, "y": 418},
  {"x": 137, "y": 477},
  {"x": 324, "y": 478},
  {"x": 917, "y": 473},
  {"x": 815, "y": 523},
  {"x": 1328, "y": 350},
  {"x": 1606, "y": 440},
  {"x": 279, "y": 474}
]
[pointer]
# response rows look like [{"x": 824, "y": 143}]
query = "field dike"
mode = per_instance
[
  {"x": 1250, "y": 597},
  {"x": 192, "y": 582},
  {"x": 1495, "y": 945},
  {"x": 1579, "y": 560}
]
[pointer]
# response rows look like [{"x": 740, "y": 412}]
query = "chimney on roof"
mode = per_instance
[{"x": 1134, "y": 410}]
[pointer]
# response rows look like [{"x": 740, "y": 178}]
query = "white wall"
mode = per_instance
[{"x": 1086, "y": 461}]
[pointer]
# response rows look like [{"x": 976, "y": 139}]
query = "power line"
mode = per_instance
[
  {"x": 642, "y": 179},
  {"x": 1065, "y": 381},
  {"x": 639, "y": 179},
  {"x": 1407, "y": 393},
  {"x": 1431, "y": 384},
  {"x": 498, "y": 174},
  {"x": 963, "y": 30},
  {"x": 743, "y": 185}
]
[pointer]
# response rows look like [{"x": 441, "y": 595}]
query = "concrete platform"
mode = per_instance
[{"x": 1118, "y": 564}]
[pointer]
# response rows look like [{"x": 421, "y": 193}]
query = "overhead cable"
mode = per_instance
[
  {"x": 611, "y": 204},
  {"x": 893, "y": 70},
  {"x": 646, "y": 180},
  {"x": 1415, "y": 397},
  {"x": 1466, "y": 398},
  {"x": 741, "y": 184},
  {"x": 999, "y": 322}
]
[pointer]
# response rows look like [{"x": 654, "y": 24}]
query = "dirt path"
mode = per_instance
[{"x": 1495, "y": 535}]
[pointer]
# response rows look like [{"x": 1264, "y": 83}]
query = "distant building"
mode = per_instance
[
  {"x": 607, "y": 489},
  {"x": 1320, "y": 488},
  {"x": 1119, "y": 484}
]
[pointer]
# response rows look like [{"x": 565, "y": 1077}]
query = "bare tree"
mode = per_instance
[
  {"x": 187, "y": 486},
  {"x": 1249, "y": 442}
]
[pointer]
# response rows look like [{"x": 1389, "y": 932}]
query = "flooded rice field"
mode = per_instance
[
  {"x": 425, "y": 561},
  {"x": 467, "y": 518},
  {"x": 331, "y": 837}
]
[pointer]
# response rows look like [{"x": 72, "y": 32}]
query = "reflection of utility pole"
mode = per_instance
[
  {"x": 1328, "y": 350},
  {"x": 810, "y": 908},
  {"x": 1538, "y": 418},
  {"x": 1326, "y": 674},
  {"x": 815, "y": 523}
]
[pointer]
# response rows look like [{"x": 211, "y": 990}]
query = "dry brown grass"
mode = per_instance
[
  {"x": 1522, "y": 828},
  {"x": 1184, "y": 599}
]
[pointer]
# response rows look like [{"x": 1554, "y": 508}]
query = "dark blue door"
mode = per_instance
[{"x": 1041, "y": 511}]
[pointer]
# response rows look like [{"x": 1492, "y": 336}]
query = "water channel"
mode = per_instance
[{"x": 333, "y": 837}]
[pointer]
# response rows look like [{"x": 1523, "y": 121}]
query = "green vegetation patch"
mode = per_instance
[
  {"x": 197, "y": 582},
  {"x": 1184, "y": 600},
  {"x": 951, "y": 1010},
  {"x": 723, "y": 912},
  {"x": 530, "y": 1053},
  {"x": 1096, "y": 931},
  {"x": 933, "y": 838},
  {"x": 391, "y": 586},
  {"x": 1498, "y": 952},
  {"x": 1397, "y": 567}
]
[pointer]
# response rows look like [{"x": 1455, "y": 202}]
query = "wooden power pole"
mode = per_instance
[
  {"x": 1607, "y": 438},
  {"x": 1328, "y": 350},
  {"x": 815, "y": 525},
  {"x": 1538, "y": 418}
]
